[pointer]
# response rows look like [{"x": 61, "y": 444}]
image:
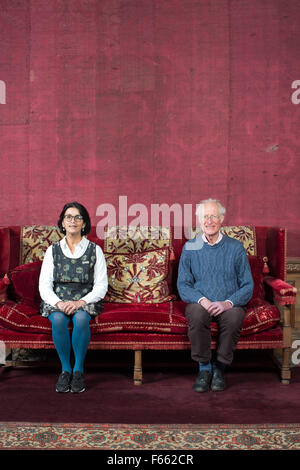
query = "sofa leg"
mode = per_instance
[
  {"x": 286, "y": 366},
  {"x": 138, "y": 371},
  {"x": 287, "y": 340},
  {"x": 4, "y": 353}
]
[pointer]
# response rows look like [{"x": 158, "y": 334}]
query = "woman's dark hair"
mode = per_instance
[{"x": 82, "y": 211}]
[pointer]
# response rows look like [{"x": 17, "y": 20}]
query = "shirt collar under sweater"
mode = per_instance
[{"x": 212, "y": 244}]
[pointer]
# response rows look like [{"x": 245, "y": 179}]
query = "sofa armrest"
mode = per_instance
[{"x": 284, "y": 293}]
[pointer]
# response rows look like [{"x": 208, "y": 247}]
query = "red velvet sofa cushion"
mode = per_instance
[
  {"x": 166, "y": 318},
  {"x": 23, "y": 317},
  {"x": 24, "y": 284},
  {"x": 259, "y": 316}
]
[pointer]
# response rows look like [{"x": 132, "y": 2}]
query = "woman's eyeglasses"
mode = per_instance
[{"x": 76, "y": 218}]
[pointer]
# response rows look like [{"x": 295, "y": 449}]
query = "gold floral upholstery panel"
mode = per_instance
[
  {"x": 244, "y": 233},
  {"x": 35, "y": 240},
  {"x": 136, "y": 239},
  {"x": 138, "y": 277}
]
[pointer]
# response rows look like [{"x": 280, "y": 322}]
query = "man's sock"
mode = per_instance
[{"x": 205, "y": 366}]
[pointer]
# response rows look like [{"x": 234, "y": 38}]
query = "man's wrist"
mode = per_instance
[{"x": 204, "y": 302}]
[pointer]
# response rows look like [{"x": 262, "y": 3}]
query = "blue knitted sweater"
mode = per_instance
[{"x": 218, "y": 272}]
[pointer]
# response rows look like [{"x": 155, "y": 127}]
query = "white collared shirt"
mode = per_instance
[
  {"x": 218, "y": 239},
  {"x": 100, "y": 273}
]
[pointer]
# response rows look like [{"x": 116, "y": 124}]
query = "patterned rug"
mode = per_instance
[{"x": 27, "y": 436}]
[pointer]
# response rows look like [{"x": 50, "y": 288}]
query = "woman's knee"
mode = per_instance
[
  {"x": 59, "y": 319},
  {"x": 81, "y": 319}
]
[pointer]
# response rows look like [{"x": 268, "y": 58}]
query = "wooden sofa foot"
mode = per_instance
[
  {"x": 4, "y": 354},
  {"x": 138, "y": 371},
  {"x": 285, "y": 381},
  {"x": 286, "y": 366}
]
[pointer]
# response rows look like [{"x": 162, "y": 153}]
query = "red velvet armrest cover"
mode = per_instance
[{"x": 284, "y": 293}]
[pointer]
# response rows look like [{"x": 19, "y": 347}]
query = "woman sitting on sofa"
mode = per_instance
[{"x": 73, "y": 283}]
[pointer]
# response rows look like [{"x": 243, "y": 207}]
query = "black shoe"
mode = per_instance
[
  {"x": 63, "y": 383},
  {"x": 77, "y": 384},
  {"x": 218, "y": 383},
  {"x": 202, "y": 382}
]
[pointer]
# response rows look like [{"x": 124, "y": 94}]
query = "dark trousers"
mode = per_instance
[{"x": 229, "y": 327}]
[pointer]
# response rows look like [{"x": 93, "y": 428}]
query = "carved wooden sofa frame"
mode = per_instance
[{"x": 160, "y": 326}]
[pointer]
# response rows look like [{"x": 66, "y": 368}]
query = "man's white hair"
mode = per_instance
[{"x": 200, "y": 207}]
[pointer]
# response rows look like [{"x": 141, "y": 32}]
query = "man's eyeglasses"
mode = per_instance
[
  {"x": 214, "y": 218},
  {"x": 76, "y": 218}
]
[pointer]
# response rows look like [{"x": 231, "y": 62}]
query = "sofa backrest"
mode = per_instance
[{"x": 25, "y": 244}]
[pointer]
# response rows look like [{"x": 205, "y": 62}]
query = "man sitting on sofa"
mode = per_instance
[{"x": 215, "y": 280}]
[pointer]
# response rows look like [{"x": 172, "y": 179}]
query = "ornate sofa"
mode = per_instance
[{"x": 142, "y": 309}]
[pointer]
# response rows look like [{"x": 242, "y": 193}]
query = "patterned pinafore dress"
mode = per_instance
[{"x": 73, "y": 279}]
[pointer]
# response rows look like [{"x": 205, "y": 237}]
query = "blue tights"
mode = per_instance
[{"x": 81, "y": 336}]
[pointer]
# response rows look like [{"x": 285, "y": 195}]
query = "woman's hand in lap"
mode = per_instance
[{"x": 70, "y": 306}]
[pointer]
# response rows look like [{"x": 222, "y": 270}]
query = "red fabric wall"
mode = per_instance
[{"x": 162, "y": 101}]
